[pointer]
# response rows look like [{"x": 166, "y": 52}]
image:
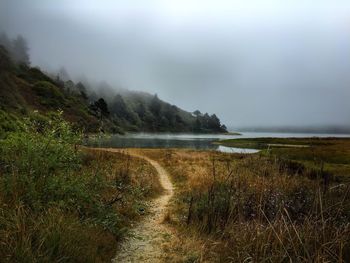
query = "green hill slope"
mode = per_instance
[{"x": 27, "y": 91}]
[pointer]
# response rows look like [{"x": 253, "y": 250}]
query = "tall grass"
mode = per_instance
[
  {"x": 255, "y": 209},
  {"x": 59, "y": 203}
]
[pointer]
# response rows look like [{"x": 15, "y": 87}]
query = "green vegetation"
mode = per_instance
[
  {"x": 264, "y": 143},
  {"x": 8, "y": 122},
  {"x": 49, "y": 94},
  {"x": 251, "y": 208},
  {"x": 136, "y": 111},
  {"x": 321, "y": 155},
  {"x": 24, "y": 89},
  {"x": 60, "y": 203},
  {"x": 233, "y": 133}
]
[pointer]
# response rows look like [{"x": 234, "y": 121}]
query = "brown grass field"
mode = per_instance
[
  {"x": 253, "y": 208},
  {"x": 331, "y": 155}
]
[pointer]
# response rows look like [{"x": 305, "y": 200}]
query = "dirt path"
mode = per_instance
[{"x": 146, "y": 239}]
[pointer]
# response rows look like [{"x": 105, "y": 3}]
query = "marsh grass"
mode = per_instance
[
  {"x": 238, "y": 208},
  {"x": 61, "y": 203},
  {"x": 330, "y": 154}
]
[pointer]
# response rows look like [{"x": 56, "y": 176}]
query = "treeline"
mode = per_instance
[
  {"x": 152, "y": 114},
  {"x": 138, "y": 111},
  {"x": 204, "y": 123},
  {"x": 17, "y": 48},
  {"x": 94, "y": 106}
]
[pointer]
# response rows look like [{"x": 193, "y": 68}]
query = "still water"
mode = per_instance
[{"x": 191, "y": 141}]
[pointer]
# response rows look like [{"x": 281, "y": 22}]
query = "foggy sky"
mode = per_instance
[{"x": 250, "y": 62}]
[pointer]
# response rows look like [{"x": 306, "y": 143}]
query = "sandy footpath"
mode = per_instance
[{"x": 144, "y": 244}]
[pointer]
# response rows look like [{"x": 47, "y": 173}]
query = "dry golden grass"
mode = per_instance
[
  {"x": 249, "y": 208},
  {"x": 332, "y": 154}
]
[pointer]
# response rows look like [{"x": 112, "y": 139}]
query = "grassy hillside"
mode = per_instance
[{"x": 27, "y": 91}]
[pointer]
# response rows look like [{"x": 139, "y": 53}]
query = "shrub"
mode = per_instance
[
  {"x": 50, "y": 207},
  {"x": 8, "y": 123}
]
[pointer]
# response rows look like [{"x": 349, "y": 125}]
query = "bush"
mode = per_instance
[
  {"x": 50, "y": 207},
  {"x": 8, "y": 123}
]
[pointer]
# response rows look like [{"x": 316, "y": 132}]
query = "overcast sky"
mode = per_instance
[{"x": 250, "y": 62}]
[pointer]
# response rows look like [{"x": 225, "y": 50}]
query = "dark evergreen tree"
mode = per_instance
[
  {"x": 102, "y": 106},
  {"x": 5, "y": 61},
  {"x": 197, "y": 125},
  {"x": 205, "y": 121},
  {"x": 119, "y": 108},
  {"x": 155, "y": 106},
  {"x": 141, "y": 110},
  {"x": 214, "y": 123},
  {"x": 170, "y": 114},
  {"x": 197, "y": 113},
  {"x": 17, "y": 48},
  {"x": 6, "y": 42},
  {"x": 20, "y": 50},
  {"x": 82, "y": 90},
  {"x": 69, "y": 86}
]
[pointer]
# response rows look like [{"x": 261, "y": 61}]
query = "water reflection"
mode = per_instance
[
  {"x": 191, "y": 141},
  {"x": 226, "y": 149},
  {"x": 118, "y": 141}
]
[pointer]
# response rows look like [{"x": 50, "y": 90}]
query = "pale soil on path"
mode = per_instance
[{"x": 144, "y": 244}]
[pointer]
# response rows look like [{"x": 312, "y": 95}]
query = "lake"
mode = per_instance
[{"x": 190, "y": 141}]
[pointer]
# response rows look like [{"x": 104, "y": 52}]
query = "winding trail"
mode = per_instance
[{"x": 144, "y": 244}]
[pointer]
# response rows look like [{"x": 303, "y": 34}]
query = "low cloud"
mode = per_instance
[{"x": 253, "y": 64}]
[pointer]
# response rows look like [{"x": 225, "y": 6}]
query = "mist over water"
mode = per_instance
[
  {"x": 193, "y": 141},
  {"x": 253, "y": 63}
]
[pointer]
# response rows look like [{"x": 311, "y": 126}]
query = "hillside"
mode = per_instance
[{"x": 28, "y": 91}]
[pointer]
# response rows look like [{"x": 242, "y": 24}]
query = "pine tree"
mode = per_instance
[{"x": 20, "y": 50}]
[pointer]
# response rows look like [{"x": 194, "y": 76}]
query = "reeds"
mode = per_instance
[{"x": 255, "y": 209}]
